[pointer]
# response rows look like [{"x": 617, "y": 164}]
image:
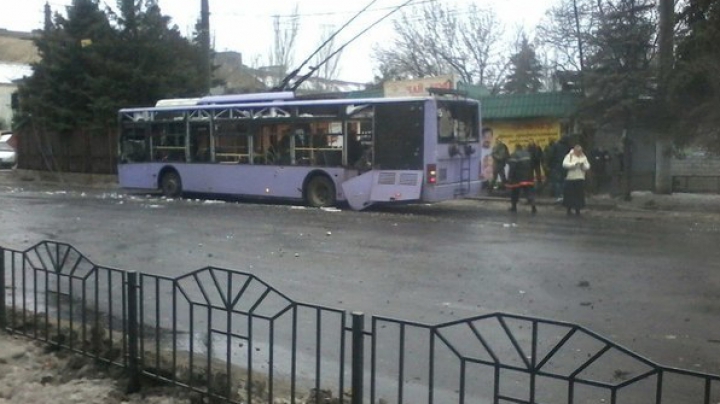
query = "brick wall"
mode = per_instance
[
  {"x": 696, "y": 173},
  {"x": 696, "y": 165}
]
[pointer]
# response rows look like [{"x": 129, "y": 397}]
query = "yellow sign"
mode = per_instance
[
  {"x": 542, "y": 131},
  {"x": 418, "y": 87},
  {"x": 513, "y": 133}
]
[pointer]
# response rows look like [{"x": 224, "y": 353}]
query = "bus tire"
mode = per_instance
[
  {"x": 171, "y": 184},
  {"x": 320, "y": 192}
]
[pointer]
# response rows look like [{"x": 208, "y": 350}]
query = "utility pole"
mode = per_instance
[
  {"x": 663, "y": 144},
  {"x": 580, "y": 47},
  {"x": 205, "y": 43},
  {"x": 48, "y": 17}
]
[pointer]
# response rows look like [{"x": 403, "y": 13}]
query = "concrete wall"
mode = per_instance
[
  {"x": 696, "y": 173},
  {"x": 643, "y": 156},
  {"x": 696, "y": 165}
]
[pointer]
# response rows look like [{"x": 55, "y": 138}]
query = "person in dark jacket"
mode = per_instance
[
  {"x": 521, "y": 178},
  {"x": 500, "y": 157},
  {"x": 536, "y": 156},
  {"x": 557, "y": 172}
]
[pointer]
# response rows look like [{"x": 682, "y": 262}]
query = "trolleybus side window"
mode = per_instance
[
  {"x": 456, "y": 122},
  {"x": 134, "y": 145},
  {"x": 360, "y": 136},
  {"x": 168, "y": 141},
  {"x": 319, "y": 138},
  {"x": 199, "y": 142},
  {"x": 232, "y": 143}
]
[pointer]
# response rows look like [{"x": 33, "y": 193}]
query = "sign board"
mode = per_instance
[
  {"x": 522, "y": 132},
  {"x": 419, "y": 87},
  {"x": 512, "y": 133}
]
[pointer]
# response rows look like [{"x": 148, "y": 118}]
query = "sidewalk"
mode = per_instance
[
  {"x": 640, "y": 200},
  {"x": 20, "y": 177},
  {"x": 31, "y": 178}
]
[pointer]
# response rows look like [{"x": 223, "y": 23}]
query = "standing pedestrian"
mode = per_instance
[
  {"x": 557, "y": 171},
  {"x": 520, "y": 178},
  {"x": 536, "y": 159},
  {"x": 500, "y": 155},
  {"x": 548, "y": 161},
  {"x": 576, "y": 164},
  {"x": 600, "y": 161}
]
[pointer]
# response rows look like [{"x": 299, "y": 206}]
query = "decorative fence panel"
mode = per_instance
[
  {"x": 229, "y": 336},
  {"x": 58, "y": 296}
]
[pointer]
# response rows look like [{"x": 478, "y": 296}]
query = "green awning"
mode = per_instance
[{"x": 537, "y": 105}]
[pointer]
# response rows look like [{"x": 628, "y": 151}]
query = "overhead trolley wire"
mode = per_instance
[
  {"x": 313, "y": 69},
  {"x": 295, "y": 72},
  {"x": 316, "y": 14}
]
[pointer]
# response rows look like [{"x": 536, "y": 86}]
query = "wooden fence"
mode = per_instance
[{"x": 79, "y": 152}]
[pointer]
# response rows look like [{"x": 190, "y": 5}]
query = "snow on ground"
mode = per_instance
[{"x": 31, "y": 375}]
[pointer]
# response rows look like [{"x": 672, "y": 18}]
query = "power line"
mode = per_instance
[
  {"x": 340, "y": 49},
  {"x": 318, "y": 14},
  {"x": 295, "y": 72},
  {"x": 451, "y": 12}
]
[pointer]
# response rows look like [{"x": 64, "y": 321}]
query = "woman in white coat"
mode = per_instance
[{"x": 576, "y": 164}]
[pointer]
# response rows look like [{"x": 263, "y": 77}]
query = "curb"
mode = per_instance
[
  {"x": 610, "y": 205},
  {"x": 22, "y": 177}
]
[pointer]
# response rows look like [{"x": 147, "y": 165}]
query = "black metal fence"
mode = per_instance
[{"x": 229, "y": 336}]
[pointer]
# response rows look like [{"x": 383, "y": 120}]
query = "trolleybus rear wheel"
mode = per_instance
[
  {"x": 171, "y": 185},
  {"x": 320, "y": 191}
]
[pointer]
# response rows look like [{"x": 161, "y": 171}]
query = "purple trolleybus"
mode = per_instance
[{"x": 362, "y": 151}]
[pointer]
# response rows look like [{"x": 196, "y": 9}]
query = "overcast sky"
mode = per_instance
[{"x": 246, "y": 26}]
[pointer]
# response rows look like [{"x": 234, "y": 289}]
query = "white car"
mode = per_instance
[{"x": 7, "y": 153}]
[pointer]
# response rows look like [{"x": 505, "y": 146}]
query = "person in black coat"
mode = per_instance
[
  {"x": 557, "y": 172},
  {"x": 537, "y": 159},
  {"x": 521, "y": 178}
]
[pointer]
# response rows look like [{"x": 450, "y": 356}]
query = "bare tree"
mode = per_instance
[
  {"x": 328, "y": 66},
  {"x": 281, "y": 56},
  {"x": 525, "y": 73},
  {"x": 564, "y": 32},
  {"x": 566, "y": 35},
  {"x": 436, "y": 39},
  {"x": 481, "y": 37}
]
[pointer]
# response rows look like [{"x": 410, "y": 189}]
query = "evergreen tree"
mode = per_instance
[
  {"x": 620, "y": 79},
  {"x": 58, "y": 95},
  {"x": 157, "y": 61},
  {"x": 695, "y": 85},
  {"x": 525, "y": 70},
  {"x": 94, "y": 62}
]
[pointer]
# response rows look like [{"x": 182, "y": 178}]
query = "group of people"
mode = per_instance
[
  {"x": 524, "y": 172},
  {"x": 501, "y": 156}
]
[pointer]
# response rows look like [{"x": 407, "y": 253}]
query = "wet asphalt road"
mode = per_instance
[{"x": 648, "y": 281}]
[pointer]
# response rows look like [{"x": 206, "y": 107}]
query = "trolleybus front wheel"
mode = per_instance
[
  {"x": 171, "y": 185},
  {"x": 320, "y": 191}
]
